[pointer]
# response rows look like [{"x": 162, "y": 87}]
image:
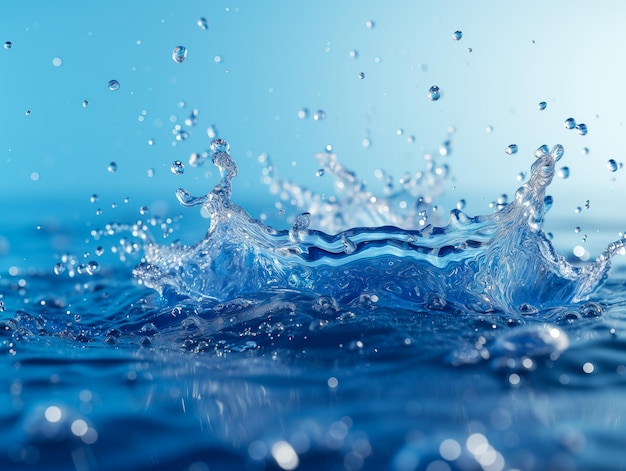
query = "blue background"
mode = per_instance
[{"x": 280, "y": 57}]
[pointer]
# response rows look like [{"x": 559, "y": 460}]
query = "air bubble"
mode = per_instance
[
  {"x": 113, "y": 85},
  {"x": 434, "y": 93},
  {"x": 457, "y": 35},
  {"x": 177, "y": 167},
  {"x": 203, "y": 23},
  {"x": 569, "y": 123},
  {"x": 582, "y": 129},
  {"x": 612, "y": 165},
  {"x": 179, "y": 54},
  {"x": 112, "y": 167},
  {"x": 511, "y": 149},
  {"x": 542, "y": 106}
]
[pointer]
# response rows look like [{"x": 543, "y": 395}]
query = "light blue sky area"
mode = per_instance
[{"x": 259, "y": 63}]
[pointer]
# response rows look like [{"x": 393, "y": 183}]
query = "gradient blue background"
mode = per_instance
[{"x": 279, "y": 57}]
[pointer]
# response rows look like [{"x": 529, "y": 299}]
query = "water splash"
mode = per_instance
[{"x": 500, "y": 263}]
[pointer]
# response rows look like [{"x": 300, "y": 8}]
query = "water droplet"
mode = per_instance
[
  {"x": 353, "y": 53},
  {"x": 520, "y": 176},
  {"x": 489, "y": 129},
  {"x": 542, "y": 106},
  {"x": 28, "y": 112},
  {"x": 220, "y": 145},
  {"x": 319, "y": 115},
  {"x": 577, "y": 229},
  {"x": 434, "y": 93},
  {"x": 366, "y": 143},
  {"x": 143, "y": 210},
  {"x": 460, "y": 204},
  {"x": 57, "y": 62},
  {"x": 582, "y": 129},
  {"x": 99, "y": 251},
  {"x": 457, "y": 35},
  {"x": 585, "y": 151},
  {"x": 570, "y": 123},
  {"x": 320, "y": 172},
  {"x": 59, "y": 268},
  {"x": 98, "y": 212},
  {"x": 361, "y": 75},
  {"x": 112, "y": 167},
  {"x": 557, "y": 152},
  {"x": 177, "y": 167},
  {"x": 369, "y": 24},
  {"x": 85, "y": 103},
  {"x": 303, "y": 113},
  {"x": 151, "y": 142},
  {"x": 469, "y": 49},
  {"x": 541, "y": 151},
  {"x": 150, "y": 172},
  {"x": 92, "y": 267},
  {"x": 587, "y": 204},
  {"x": 8, "y": 45},
  {"x": 511, "y": 149},
  {"x": 203, "y": 23},
  {"x": 612, "y": 165},
  {"x": 179, "y": 54},
  {"x": 563, "y": 172},
  {"x": 93, "y": 198},
  {"x": 113, "y": 85}
]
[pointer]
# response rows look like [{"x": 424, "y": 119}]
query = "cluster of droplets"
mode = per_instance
[{"x": 570, "y": 123}]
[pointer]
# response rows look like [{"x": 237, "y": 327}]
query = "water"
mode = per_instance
[{"x": 364, "y": 327}]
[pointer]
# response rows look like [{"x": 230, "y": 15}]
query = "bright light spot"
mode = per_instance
[
  {"x": 34, "y": 176},
  {"x": 588, "y": 367},
  {"x": 57, "y": 61},
  {"x": 333, "y": 382},
  {"x": 285, "y": 455},
  {"x": 450, "y": 449},
  {"x": 514, "y": 379},
  {"x": 477, "y": 444},
  {"x": 79, "y": 427},
  {"x": 53, "y": 414},
  {"x": 555, "y": 333}
]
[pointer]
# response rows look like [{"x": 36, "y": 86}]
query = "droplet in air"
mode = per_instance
[
  {"x": 460, "y": 204},
  {"x": 320, "y": 172},
  {"x": 28, "y": 112},
  {"x": 353, "y": 53},
  {"x": 369, "y": 24},
  {"x": 85, "y": 103},
  {"x": 8, "y": 45},
  {"x": 612, "y": 165},
  {"x": 177, "y": 167},
  {"x": 541, "y": 151},
  {"x": 220, "y": 145},
  {"x": 563, "y": 173},
  {"x": 112, "y": 167},
  {"x": 570, "y": 123},
  {"x": 557, "y": 152},
  {"x": 582, "y": 129},
  {"x": 59, "y": 268},
  {"x": 361, "y": 75},
  {"x": 511, "y": 149},
  {"x": 434, "y": 93},
  {"x": 151, "y": 142},
  {"x": 57, "y": 62},
  {"x": 93, "y": 198},
  {"x": 520, "y": 176},
  {"x": 179, "y": 54},
  {"x": 203, "y": 23},
  {"x": 319, "y": 115},
  {"x": 113, "y": 85},
  {"x": 457, "y": 35},
  {"x": 303, "y": 113},
  {"x": 542, "y": 105}
]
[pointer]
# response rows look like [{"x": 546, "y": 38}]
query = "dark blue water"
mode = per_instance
[{"x": 469, "y": 344}]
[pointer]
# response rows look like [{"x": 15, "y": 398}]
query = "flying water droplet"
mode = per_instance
[
  {"x": 520, "y": 176},
  {"x": 59, "y": 268},
  {"x": 320, "y": 172},
  {"x": 177, "y": 167},
  {"x": 557, "y": 152},
  {"x": 542, "y": 106},
  {"x": 220, "y": 145},
  {"x": 361, "y": 75},
  {"x": 57, "y": 62},
  {"x": 369, "y": 24},
  {"x": 541, "y": 151},
  {"x": 112, "y": 167},
  {"x": 457, "y": 35},
  {"x": 203, "y": 23},
  {"x": 460, "y": 205},
  {"x": 8, "y": 45},
  {"x": 303, "y": 113},
  {"x": 85, "y": 103},
  {"x": 582, "y": 129},
  {"x": 319, "y": 115},
  {"x": 612, "y": 165},
  {"x": 563, "y": 173},
  {"x": 113, "y": 85},
  {"x": 511, "y": 149},
  {"x": 570, "y": 123},
  {"x": 179, "y": 54},
  {"x": 434, "y": 93}
]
